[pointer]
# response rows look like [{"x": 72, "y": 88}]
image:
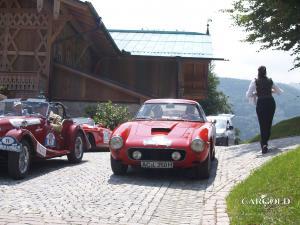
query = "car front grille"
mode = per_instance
[{"x": 157, "y": 154}]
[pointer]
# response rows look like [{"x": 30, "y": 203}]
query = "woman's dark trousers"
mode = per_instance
[{"x": 265, "y": 109}]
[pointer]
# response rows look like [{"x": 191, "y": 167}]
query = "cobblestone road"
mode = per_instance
[{"x": 56, "y": 192}]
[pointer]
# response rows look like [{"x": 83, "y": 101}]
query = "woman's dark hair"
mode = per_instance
[{"x": 262, "y": 72}]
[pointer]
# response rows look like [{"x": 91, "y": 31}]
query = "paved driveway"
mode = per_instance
[{"x": 59, "y": 193}]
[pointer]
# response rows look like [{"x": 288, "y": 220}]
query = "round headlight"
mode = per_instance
[
  {"x": 116, "y": 142},
  {"x": 137, "y": 155},
  {"x": 197, "y": 145},
  {"x": 176, "y": 156}
]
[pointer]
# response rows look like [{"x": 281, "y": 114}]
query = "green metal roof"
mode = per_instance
[{"x": 164, "y": 43}]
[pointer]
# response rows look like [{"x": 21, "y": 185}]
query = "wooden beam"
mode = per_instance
[
  {"x": 62, "y": 22},
  {"x": 102, "y": 81},
  {"x": 76, "y": 4},
  {"x": 39, "y": 5},
  {"x": 77, "y": 27},
  {"x": 180, "y": 79},
  {"x": 83, "y": 51},
  {"x": 56, "y": 9},
  {"x": 83, "y": 85},
  {"x": 26, "y": 53},
  {"x": 16, "y": 10}
]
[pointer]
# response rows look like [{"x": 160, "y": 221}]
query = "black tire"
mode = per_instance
[
  {"x": 118, "y": 167},
  {"x": 91, "y": 140},
  {"x": 79, "y": 148},
  {"x": 202, "y": 171},
  {"x": 227, "y": 142},
  {"x": 19, "y": 162},
  {"x": 213, "y": 154}
]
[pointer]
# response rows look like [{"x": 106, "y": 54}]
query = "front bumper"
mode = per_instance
[
  {"x": 189, "y": 158},
  {"x": 222, "y": 141}
]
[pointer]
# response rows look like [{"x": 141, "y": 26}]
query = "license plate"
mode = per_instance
[{"x": 156, "y": 164}]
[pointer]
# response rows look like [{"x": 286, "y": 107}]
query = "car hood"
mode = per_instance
[{"x": 170, "y": 129}]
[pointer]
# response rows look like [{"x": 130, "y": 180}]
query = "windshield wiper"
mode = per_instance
[{"x": 144, "y": 118}]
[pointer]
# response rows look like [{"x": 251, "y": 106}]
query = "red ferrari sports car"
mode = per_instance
[
  {"x": 37, "y": 129},
  {"x": 166, "y": 133},
  {"x": 97, "y": 134}
]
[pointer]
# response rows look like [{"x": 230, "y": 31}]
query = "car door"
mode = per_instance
[{"x": 54, "y": 139}]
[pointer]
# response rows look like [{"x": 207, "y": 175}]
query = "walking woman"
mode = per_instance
[{"x": 260, "y": 93}]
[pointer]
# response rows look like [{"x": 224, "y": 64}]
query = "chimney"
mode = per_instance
[{"x": 207, "y": 25}]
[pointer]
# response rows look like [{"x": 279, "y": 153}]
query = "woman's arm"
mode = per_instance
[
  {"x": 251, "y": 93},
  {"x": 251, "y": 90},
  {"x": 276, "y": 89}
]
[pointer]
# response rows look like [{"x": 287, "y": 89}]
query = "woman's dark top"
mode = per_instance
[{"x": 264, "y": 87}]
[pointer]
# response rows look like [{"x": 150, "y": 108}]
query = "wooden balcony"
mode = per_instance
[{"x": 20, "y": 84}]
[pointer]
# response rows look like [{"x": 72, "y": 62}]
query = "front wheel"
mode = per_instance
[
  {"x": 91, "y": 140},
  {"x": 79, "y": 147},
  {"x": 213, "y": 154},
  {"x": 227, "y": 142},
  {"x": 202, "y": 171},
  {"x": 118, "y": 167},
  {"x": 19, "y": 162}
]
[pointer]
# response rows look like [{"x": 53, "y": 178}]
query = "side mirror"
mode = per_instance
[{"x": 230, "y": 128}]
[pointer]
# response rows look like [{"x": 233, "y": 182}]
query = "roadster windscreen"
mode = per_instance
[{"x": 23, "y": 108}]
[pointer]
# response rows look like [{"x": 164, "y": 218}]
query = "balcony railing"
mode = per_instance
[{"x": 19, "y": 81}]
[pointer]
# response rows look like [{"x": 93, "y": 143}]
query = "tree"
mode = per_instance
[
  {"x": 273, "y": 23},
  {"x": 216, "y": 102}
]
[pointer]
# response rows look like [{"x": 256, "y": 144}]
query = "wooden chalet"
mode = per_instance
[{"x": 62, "y": 47}]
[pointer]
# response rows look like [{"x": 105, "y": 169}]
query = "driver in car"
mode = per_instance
[
  {"x": 56, "y": 121},
  {"x": 18, "y": 111},
  {"x": 157, "y": 112},
  {"x": 190, "y": 113}
]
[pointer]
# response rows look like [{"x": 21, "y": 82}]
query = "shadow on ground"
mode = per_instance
[
  {"x": 276, "y": 146},
  {"x": 158, "y": 177},
  {"x": 102, "y": 149},
  {"x": 37, "y": 169}
]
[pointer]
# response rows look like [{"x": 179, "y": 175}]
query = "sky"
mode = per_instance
[{"x": 192, "y": 15}]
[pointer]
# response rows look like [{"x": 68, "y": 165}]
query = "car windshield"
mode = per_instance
[
  {"x": 169, "y": 111},
  {"x": 221, "y": 124},
  {"x": 23, "y": 108}
]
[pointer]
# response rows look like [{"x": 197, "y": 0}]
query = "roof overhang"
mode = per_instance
[{"x": 89, "y": 24}]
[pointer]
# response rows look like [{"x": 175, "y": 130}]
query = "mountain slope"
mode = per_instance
[
  {"x": 287, "y": 105},
  {"x": 285, "y": 128}
]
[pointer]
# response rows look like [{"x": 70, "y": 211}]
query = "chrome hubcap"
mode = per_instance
[
  {"x": 78, "y": 147},
  {"x": 24, "y": 159}
]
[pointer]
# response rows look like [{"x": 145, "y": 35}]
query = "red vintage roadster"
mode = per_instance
[
  {"x": 166, "y": 133},
  {"x": 97, "y": 134},
  {"x": 37, "y": 129}
]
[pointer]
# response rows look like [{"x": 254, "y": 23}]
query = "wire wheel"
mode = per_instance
[{"x": 24, "y": 159}]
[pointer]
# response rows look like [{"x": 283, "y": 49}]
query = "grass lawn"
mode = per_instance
[
  {"x": 277, "y": 179},
  {"x": 285, "y": 128}
]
